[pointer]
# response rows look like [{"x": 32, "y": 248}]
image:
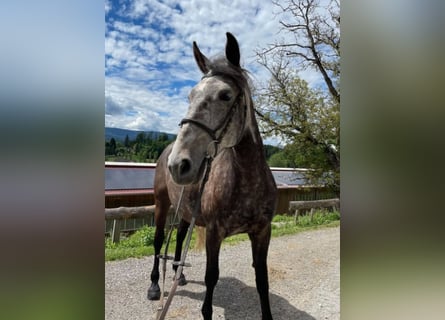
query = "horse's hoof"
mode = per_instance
[
  {"x": 154, "y": 292},
  {"x": 182, "y": 281}
]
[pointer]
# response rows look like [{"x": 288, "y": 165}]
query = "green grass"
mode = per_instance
[{"x": 140, "y": 244}]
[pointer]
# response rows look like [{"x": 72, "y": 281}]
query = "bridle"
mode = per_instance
[{"x": 222, "y": 126}]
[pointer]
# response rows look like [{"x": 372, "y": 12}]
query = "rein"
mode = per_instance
[{"x": 162, "y": 310}]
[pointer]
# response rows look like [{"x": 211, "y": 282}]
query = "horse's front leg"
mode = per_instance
[
  {"x": 182, "y": 233},
  {"x": 154, "y": 292},
  {"x": 260, "y": 246},
  {"x": 213, "y": 245},
  {"x": 162, "y": 207}
]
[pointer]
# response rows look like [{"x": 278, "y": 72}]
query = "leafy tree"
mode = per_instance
[
  {"x": 146, "y": 148},
  {"x": 306, "y": 118},
  {"x": 270, "y": 150},
  {"x": 110, "y": 147},
  {"x": 280, "y": 159},
  {"x": 142, "y": 149},
  {"x": 163, "y": 137},
  {"x": 140, "y": 138}
]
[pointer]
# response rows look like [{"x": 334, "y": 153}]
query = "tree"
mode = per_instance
[
  {"x": 140, "y": 138},
  {"x": 270, "y": 150},
  {"x": 163, "y": 137},
  {"x": 307, "y": 118},
  {"x": 110, "y": 147},
  {"x": 142, "y": 149},
  {"x": 280, "y": 159}
]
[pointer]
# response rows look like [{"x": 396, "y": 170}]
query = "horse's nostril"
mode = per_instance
[{"x": 184, "y": 167}]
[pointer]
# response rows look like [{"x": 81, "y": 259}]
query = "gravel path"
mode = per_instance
[{"x": 304, "y": 280}]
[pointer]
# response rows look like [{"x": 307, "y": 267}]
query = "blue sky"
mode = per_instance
[{"x": 149, "y": 65}]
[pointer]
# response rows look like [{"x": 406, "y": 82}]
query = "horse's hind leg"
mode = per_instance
[
  {"x": 182, "y": 232},
  {"x": 161, "y": 211},
  {"x": 260, "y": 246}
]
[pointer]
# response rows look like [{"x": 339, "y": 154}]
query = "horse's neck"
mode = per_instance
[{"x": 249, "y": 151}]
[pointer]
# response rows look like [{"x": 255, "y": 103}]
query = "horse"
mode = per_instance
[{"x": 239, "y": 195}]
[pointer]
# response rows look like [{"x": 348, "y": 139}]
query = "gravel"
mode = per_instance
[{"x": 304, "y": 280}]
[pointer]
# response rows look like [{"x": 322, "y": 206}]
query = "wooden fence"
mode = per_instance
[
  {"x": 117, "y": 215},
  {"x": 299, "y": 206}
]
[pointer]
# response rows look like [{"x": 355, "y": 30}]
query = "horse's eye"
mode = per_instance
[{"x": 225, "y": 96}]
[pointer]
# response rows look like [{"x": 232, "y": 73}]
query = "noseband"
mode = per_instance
[
  {"x": 213, "y": 132},
  {"x": 221, "y": 127}
]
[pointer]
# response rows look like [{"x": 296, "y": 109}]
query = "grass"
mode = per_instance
[{"x": 140, "y": 244}]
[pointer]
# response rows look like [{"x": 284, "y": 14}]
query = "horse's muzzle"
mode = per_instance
[{"x": 181, "y": 171}]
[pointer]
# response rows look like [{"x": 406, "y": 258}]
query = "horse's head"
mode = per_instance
[{"x": 216, "y": 116}]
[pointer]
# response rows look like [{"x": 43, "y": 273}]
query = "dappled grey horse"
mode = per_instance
[{"x": 239, "y": 195}]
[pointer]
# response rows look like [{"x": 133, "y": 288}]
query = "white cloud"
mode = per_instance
[
  {"x": 149, "y": 47},
  {"x": 132, "y": 105},
  {"x": 108, "y": 6}
]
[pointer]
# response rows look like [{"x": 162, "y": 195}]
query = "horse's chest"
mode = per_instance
[
  {"x": 236, "y": 193},
  {"x": 238, "y": 207}
]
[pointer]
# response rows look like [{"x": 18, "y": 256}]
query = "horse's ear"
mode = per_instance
[
  {"x": 232, "y": 50},
  {"x": 201, "y": 59}
]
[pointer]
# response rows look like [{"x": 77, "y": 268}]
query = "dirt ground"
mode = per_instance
[{"x": 304, "y": 280}]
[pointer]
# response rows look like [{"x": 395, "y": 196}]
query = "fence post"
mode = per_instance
[
  {"x": 297, "y": 213},
  {"x": 116, "y": 233}
]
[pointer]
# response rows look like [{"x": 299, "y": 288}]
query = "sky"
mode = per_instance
[{"x": 149, "y": 64}]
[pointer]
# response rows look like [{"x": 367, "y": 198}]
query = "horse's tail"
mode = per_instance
[{"x": 200, "y": 238}]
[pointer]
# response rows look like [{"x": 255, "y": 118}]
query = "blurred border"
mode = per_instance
[
  {"x": 392, "y": 176},
  {"x": 51, "y": 164},
  {"x": 51, "y": 167}
]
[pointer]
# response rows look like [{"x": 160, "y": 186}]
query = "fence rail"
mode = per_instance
[
  {"x": 299, "y": 206},
  {"x": 117, "y": 215},
  {"x": 121, "y": 213},
  {"x": 129, "y": 212}
]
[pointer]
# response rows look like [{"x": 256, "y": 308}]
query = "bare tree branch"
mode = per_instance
[
  {"x": 307, "y": 118},
  {"x": 316, "y": 35}
]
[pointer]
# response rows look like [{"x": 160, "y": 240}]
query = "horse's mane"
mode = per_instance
[{"x": 221, "y": 66}]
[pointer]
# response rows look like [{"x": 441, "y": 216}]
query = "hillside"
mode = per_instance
[
  {"x": 120, "y": 134},
  {"x": 148, "y": 146}
]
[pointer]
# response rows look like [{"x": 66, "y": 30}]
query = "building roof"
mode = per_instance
[{"x": 138, "y": 178}]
